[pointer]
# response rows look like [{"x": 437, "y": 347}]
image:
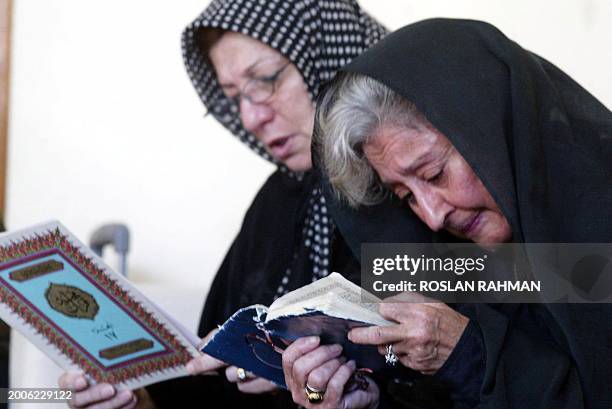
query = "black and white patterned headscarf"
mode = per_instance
[{"x": 318, "y": 37}]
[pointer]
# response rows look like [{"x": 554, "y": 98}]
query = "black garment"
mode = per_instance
[
  {"x": 287, "y": 238},
  {"x": 542, "y": 146},
  {"x": 270, "y": 240}
]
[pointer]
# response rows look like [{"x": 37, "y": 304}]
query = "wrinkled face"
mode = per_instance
[
  {"x": 423, "y": 168},
  {"x": 284, "y": 121}
]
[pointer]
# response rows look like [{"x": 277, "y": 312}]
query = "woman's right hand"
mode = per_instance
[
  {"x": 100, "y": 396},
  {"x": 306, "y": 362}
]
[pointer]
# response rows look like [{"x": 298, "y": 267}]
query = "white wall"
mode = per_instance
[
  {"x": 575, "y": 35},
  {"x": 104, "y": 125}
]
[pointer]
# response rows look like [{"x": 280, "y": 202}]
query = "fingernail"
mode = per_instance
[
  {"x": 336, "y": 348},
  {"x": 352, "y": 364},
  {"x": 107, "y": 391},
  {"x": 80, "y": 382},
  {"x": 124, "y": 394},
  {"x": 312, "y": 340},
  {"x": 190, "y": 367}
]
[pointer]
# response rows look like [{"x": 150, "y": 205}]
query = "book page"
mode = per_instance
[{"x": 334, "y": 284}]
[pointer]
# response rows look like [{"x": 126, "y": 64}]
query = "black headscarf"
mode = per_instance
[
  {"x": 318, "y": 37},
  {"x": 542, "y": 146},
  {"x": 540, "y": 143},
  {"x": 287, "y": 234}
]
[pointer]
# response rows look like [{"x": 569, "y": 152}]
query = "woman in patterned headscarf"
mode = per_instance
[{"x": 257, "y": 66}]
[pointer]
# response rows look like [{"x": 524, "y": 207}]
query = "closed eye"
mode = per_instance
[
  {"x": 268, "y": 78},
  {"x": 437, "y": 178},
  {"x": 274, "y": 76}
]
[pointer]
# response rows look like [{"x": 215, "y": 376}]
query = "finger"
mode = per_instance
[
  {"x": 298, "y": 348},
  {"x": 376, "y": 335},
  {"x": 93, "y": 394},
  {"x": 257, "y": 385},
  {"x": 121, "y": 398},
  {"x": 408, "y": 313},
  {"x": 319, "y": 376},
  {"x": 361, "y": 398},
  {"x": 294, "y": 351},
  {"x": 204, "y": 365},
  {"x": 382, "y": 349},
  {"x": 410, "y": 297},
  {"x": 424, "y": 352},
  {"x": 131, "y": 404},
  {"x": 335, "y": 386},
  {"x": 74, "y": 381},
  {"x": 313, "y": 359},
  {"x": 208, "y": 337},
  {"x": 231, "y": 373}
]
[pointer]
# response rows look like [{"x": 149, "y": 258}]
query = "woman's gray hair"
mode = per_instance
[{"x": 350, "y": 112}]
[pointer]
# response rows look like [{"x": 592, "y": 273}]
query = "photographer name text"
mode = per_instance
[{"x": 458, "y": 286}]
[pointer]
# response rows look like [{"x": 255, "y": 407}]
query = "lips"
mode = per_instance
[
  {"x": 471, "y": 225},
  {"x": 280, "y": 147}
]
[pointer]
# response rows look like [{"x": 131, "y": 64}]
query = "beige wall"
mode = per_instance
[{"x": 104, "y": 125}]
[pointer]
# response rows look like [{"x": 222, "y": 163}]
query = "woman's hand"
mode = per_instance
[
  {"x": 250, "y": 384},
  {"x": 322, "y": 368},
  {"x": 424, "y": 337},
  {"x": 207, "y": 365},
  {"x": 100, "y": 396}
]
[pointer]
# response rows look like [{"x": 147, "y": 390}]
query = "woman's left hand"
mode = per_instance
[
  {"x": 250, "y": 383},
  {"x": 424, "y": 337},
  {"x": 305, "y": 362}
]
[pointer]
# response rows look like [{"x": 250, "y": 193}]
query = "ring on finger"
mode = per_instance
[
  {"x": 390, "y": 357},
  {"x": 314, "y": 395},
  {"x": 241, "y": 374}
]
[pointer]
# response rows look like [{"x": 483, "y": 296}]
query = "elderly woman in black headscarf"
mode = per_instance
[
  {"x": 257, "y": 66},
  {"x": 492, "y": 144}
]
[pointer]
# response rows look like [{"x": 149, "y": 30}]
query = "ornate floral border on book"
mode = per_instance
[{"x": 176, "y": 353}]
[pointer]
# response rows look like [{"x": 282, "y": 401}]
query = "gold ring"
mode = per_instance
[
  {"x": 241, "y": 374},
  {"x": 314, "y": 395}
]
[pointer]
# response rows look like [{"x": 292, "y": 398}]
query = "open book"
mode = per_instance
[
  {"x": 254, "y": 337},
  {"x": 73, "y": 307}
]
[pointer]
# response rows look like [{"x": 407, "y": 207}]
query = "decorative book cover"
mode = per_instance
[
  {"x": 72, "y": 306},
  {"x": 247, "y": 341}
]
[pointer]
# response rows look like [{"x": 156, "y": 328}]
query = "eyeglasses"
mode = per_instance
[
  {"x": 260, "y": 89},
  {"x": 268, "y": 350},
  {"x": 257, "y": 90}
]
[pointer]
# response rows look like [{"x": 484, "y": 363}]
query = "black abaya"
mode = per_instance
[
  {"x": 287, "y": 238},
  {"x": 542, "y": 146}
]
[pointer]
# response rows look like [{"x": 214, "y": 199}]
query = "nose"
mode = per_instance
[
  {"x": 431, "y": 208},
  {"x": 254, "y": 116}
]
